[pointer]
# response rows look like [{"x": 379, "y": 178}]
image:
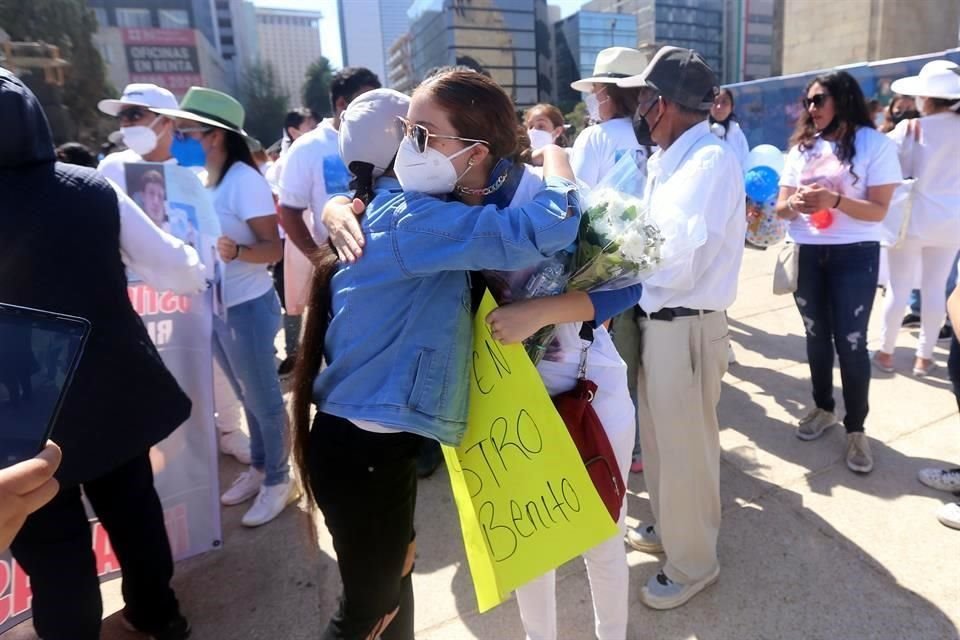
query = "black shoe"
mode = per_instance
[
  {"x": 911, "y": 321},
  {"x": 429, "y": 459},
  {"x": 176, "y": 629},
  {"x": 285, "y": 370},
  {"x": 946, "y": 332}
]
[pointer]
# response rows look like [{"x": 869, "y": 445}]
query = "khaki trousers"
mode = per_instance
[{"x": 678, "y": 388}]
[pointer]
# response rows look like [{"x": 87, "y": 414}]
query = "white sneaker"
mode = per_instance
[
  {"x": 236, "y": 443},
  {"x": 949, "y": 515},
  {"x": 812, "y": 425},
  {"x": 243, "y": 488},
  {"x": 941, "y": 479},
  {"x": 270, "y": 502}
]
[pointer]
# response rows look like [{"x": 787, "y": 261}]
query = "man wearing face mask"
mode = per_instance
[
  {"x": 599, "y": 147},
  {"x": 683, "y": 327},
  {"x": 150, "y": 137}
]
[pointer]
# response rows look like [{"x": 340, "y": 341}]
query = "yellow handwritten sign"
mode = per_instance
[{"x": 525, "y": 501}]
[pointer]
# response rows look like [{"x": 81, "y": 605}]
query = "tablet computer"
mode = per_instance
[{"x": 39, "y": 353}]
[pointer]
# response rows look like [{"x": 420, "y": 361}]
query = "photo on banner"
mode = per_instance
[
  {"x": 525, "y": 501},
  {"x": 185, "y": 464}
]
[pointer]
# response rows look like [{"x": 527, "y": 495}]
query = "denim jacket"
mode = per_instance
[{"x": 397, "y": 349}]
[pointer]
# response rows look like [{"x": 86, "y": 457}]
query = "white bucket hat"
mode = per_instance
[
  {"x": 139, "y": 95},
  {"x": 937, "y": 79},
  {"x": 614, "y": 63}
]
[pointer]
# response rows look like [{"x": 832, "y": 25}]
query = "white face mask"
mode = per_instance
[
  {"x": 593, "y": 105},
  {"x": 431, "y": 172},
  {"x": 141, "y": 140},
  {"x": 539, "y": 138}
]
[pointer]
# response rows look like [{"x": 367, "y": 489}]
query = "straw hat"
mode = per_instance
[
  {"x": 612, "y": 64},
  {"x": 937, "y": 79}
]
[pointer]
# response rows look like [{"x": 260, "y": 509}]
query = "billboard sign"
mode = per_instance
[{"x": 165, "y": 57}]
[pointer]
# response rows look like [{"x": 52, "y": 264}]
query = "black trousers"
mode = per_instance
[
  {"x": 366, "y": 486},
  {"x": 54, "y": 549}
]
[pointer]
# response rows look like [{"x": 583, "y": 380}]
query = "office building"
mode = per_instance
[
  {"x": 497, "y": 37},
  {"x": 694, "y": 24},
  {"x": 290, "y": 43},
  {"x": 820, "y": 34},
  {"x": 579, "y": 38},
  {"x": 166, "y": 42},
  {"x": 400, "y": 65},
  {"x": 754, "y": 40},
  {"x": 368, "y": 31}
]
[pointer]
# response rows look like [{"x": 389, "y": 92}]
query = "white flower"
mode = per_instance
[{"x": 633, "y": 244}]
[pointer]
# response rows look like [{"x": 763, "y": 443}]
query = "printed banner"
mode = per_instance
[
  {"x": 166, "y": 57},
  {"x": 185, "y": 464},
  {"x": 525, "y": 501}
]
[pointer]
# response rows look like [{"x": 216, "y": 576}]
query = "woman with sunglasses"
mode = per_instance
[
  {"x": 394, "y": 328},
  {"x": 454, "y": 97},
  {"x": 212, "y": 123},
  {"x": 836, "y": 185}
]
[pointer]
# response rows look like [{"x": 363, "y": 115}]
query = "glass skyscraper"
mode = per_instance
[
  {"x": 497, "y": 37},
  {"x": 579, "y": 39}
]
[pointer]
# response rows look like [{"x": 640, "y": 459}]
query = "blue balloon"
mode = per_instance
[{"x": 761, "y": 183}]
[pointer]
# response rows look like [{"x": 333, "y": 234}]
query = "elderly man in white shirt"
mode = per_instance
[{"x": 683, "y": 327}]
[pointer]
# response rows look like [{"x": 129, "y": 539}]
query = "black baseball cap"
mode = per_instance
[{"x": 680, "y": 75}]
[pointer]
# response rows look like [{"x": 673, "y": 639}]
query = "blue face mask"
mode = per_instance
[{"x": 188, "y": 152}]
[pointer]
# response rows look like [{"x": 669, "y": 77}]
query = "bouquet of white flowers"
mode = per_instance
[{"x": 621, "y": 242}]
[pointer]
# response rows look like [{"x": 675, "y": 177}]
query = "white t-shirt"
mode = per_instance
[
  {"x": 113, "y": 166},
  {"x": 243, "y": 195},
  {"x": 874, "y": 163},
  {"x": 312, "y": 172},
  {"x": 599, "y": 147},
  {"x": 933, "y": 161}
]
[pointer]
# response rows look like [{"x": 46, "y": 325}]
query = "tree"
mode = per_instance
[
  {"x": 264, "y": 102},
  {"x": 69, "y": 25},
  {"x": 316, "y": 89},
  {"x": 578, "y": 119}
]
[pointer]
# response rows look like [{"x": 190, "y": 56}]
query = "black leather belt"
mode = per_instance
[{"x": 670, "y": 313}]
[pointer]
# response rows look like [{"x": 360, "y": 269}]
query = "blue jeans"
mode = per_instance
[
  {"x": 835, "y": 292},
  {"x": 244, "y": 348}
]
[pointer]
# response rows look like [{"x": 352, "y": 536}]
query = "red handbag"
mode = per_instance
[{"x": 586, "y": 430}]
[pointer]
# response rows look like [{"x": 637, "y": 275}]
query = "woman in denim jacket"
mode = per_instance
[
  {"x": 395, "y": 331},
  {"x": 512, "y": 183}
]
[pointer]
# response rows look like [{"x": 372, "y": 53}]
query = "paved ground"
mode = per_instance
[{"x": 809, "y": 550}]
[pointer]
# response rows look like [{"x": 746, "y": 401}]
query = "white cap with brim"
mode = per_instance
[
  {"x": 370, "y": 128},
  {"x": 614, "y": 63},
  {"x": 937, "y": 79},
  {"x": 146, "y": 95}
]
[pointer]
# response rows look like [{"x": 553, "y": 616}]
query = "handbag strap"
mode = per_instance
[{"x": 586, "y": 334}]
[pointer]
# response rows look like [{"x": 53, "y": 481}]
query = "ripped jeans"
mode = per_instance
[{"x": 835, "y": 291}]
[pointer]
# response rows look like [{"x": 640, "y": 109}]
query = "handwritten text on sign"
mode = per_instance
[{"x": 525, "y": 502}]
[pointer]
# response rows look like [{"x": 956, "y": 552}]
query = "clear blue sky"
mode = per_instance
[{"x": 330, "y": 25}]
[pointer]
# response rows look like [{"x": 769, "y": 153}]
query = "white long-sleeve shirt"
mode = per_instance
[
  {"x": 700, "y": 177},
  {"x": 164, "y": 262}
]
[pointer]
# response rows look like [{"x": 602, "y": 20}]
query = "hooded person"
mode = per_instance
[{"x": 60, "y": 236}]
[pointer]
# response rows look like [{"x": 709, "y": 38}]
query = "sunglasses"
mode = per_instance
[
  {"x": 421, "y": 135},
  {"x": 184, "y": 133},
  {"x": 131, "y": 114},
  {"x": 817, "y": 101}
]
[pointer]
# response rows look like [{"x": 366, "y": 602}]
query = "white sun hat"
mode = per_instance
[
  {"x": 139, "y": 94},
  {"x": 614, "y": 63},
  {"x": 937, "y": 79}
]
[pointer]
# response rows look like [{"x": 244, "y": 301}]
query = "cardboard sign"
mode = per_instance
[{"x": 525, "y": 501}]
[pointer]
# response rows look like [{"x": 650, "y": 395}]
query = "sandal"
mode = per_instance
[
  {"x": 880, "y": 366},
  {"x": 924, "y": 371}
]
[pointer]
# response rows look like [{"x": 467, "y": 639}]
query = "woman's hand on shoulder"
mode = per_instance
[{"x": 340, "y": 217}]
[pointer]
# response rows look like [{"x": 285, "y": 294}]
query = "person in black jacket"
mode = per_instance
[{"x": 59, "y": 250}]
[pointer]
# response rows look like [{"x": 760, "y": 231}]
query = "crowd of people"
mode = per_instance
[{"x": 380, "y": 226}]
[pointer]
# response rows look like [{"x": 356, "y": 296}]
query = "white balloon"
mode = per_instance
[{"x": 766, "y": 155}]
